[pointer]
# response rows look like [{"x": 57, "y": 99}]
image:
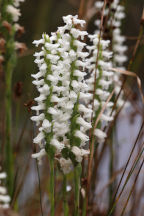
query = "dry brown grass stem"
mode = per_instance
[
  {"x": 82, "y": 8},
  {"x": 129, "y": 158},
  {"x": 132, "y": 189}
]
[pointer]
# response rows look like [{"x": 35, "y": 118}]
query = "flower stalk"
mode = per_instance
[
  {"x": 77, "y": 176},
  {"x": 65, "y": 202},
  {"x": 52, "y": 199}
]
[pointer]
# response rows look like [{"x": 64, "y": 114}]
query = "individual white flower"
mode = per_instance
[
  {"x": 66, "y": 165},
  {"x": 3, "y": 175},
  {"x": 39, "y": 155},
  {"x": 38, "y": 139},
  {"x": 79, "y": 153},
  {"x": 68, "y": 188},
  {"x": 99, "y": 4},
  {"x": 58, "y": 145},
  {"x": 17, "y": 2},
  {"x": 4, "y": 198},
  {"x": 100, "y": 134},
  {"x": 81, "y": 135},
  {"x": 15, "y": 12}
]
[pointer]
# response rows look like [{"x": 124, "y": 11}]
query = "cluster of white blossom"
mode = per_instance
[
  {"x": 117, "y": 40},
  {"x": 61, "y": 113},
  {"x": 4, "y": 198},
  {"x": 119, "y": 49},
  {"x": 104, "y": 78},
  {"x": 14, "y": 10}
]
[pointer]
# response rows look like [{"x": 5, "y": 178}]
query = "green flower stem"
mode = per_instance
[
  {"x": 111, "y": 167},
  {"x": 77, "y": 175},
  {"x": 9, "y": 64},
  {"x": 84, "y": 206},
  {"x": 65, "y": 203},
  {"x": 52, "y": 186},
  {"x": 9, "y": 67},
  {"x": 8, "y": 147}
]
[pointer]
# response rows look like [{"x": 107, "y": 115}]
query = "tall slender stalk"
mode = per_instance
[
  {"x": 11, "y": 57},
  {"x": 130, "y": 193},
  {"x": 9, "y": 64},
  {"x": 77, "y": 175},
  {"x": 40, "y": 193},
  {"x": 126, "y": 181},
  {"x": 65, "y": 203},
  {"x": 51, "y": 160},
  {"x": 84, "y": 207},
  {"x": 111, "y": 167}
]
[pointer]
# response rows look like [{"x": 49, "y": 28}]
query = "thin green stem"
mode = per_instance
[
  {"x": 39, "y": 182},
  {"x": 8, "y": 123},
  {"x": 52, "y": 186},
  {"x": 84, "y": 207},
  {"x": 65, "y": 203},
  {"x": 111, "y": 168},
  {"x": 77, "y": 175},
  {"x": 9, "y": 64}
]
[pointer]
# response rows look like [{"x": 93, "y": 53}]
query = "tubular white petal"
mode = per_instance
[
  {"x": 5, "y": 198},
  {"x": 3, "y": 175},
  {"x": 100, "y": 134},
  {"x": 81, "y": 135},
  {"x": 82, "y": 122},
  {"x": 38, "y": 138}
]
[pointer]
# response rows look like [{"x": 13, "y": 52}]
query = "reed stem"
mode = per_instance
[
  {"x": 52, "y": 186},
  {"x": 8, "y": 147},
  {"x": 77, "y": 175},
  {"x": 9, "y": 67},
  {"x": 65, "y": 203}
]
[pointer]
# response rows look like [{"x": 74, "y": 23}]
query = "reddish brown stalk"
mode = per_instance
[
  {"x": 82, "y": 9},
  {"x": 136, "y": 202}
]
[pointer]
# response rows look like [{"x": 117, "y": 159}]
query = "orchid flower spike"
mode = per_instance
[{"x": 60, "y": 110}]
